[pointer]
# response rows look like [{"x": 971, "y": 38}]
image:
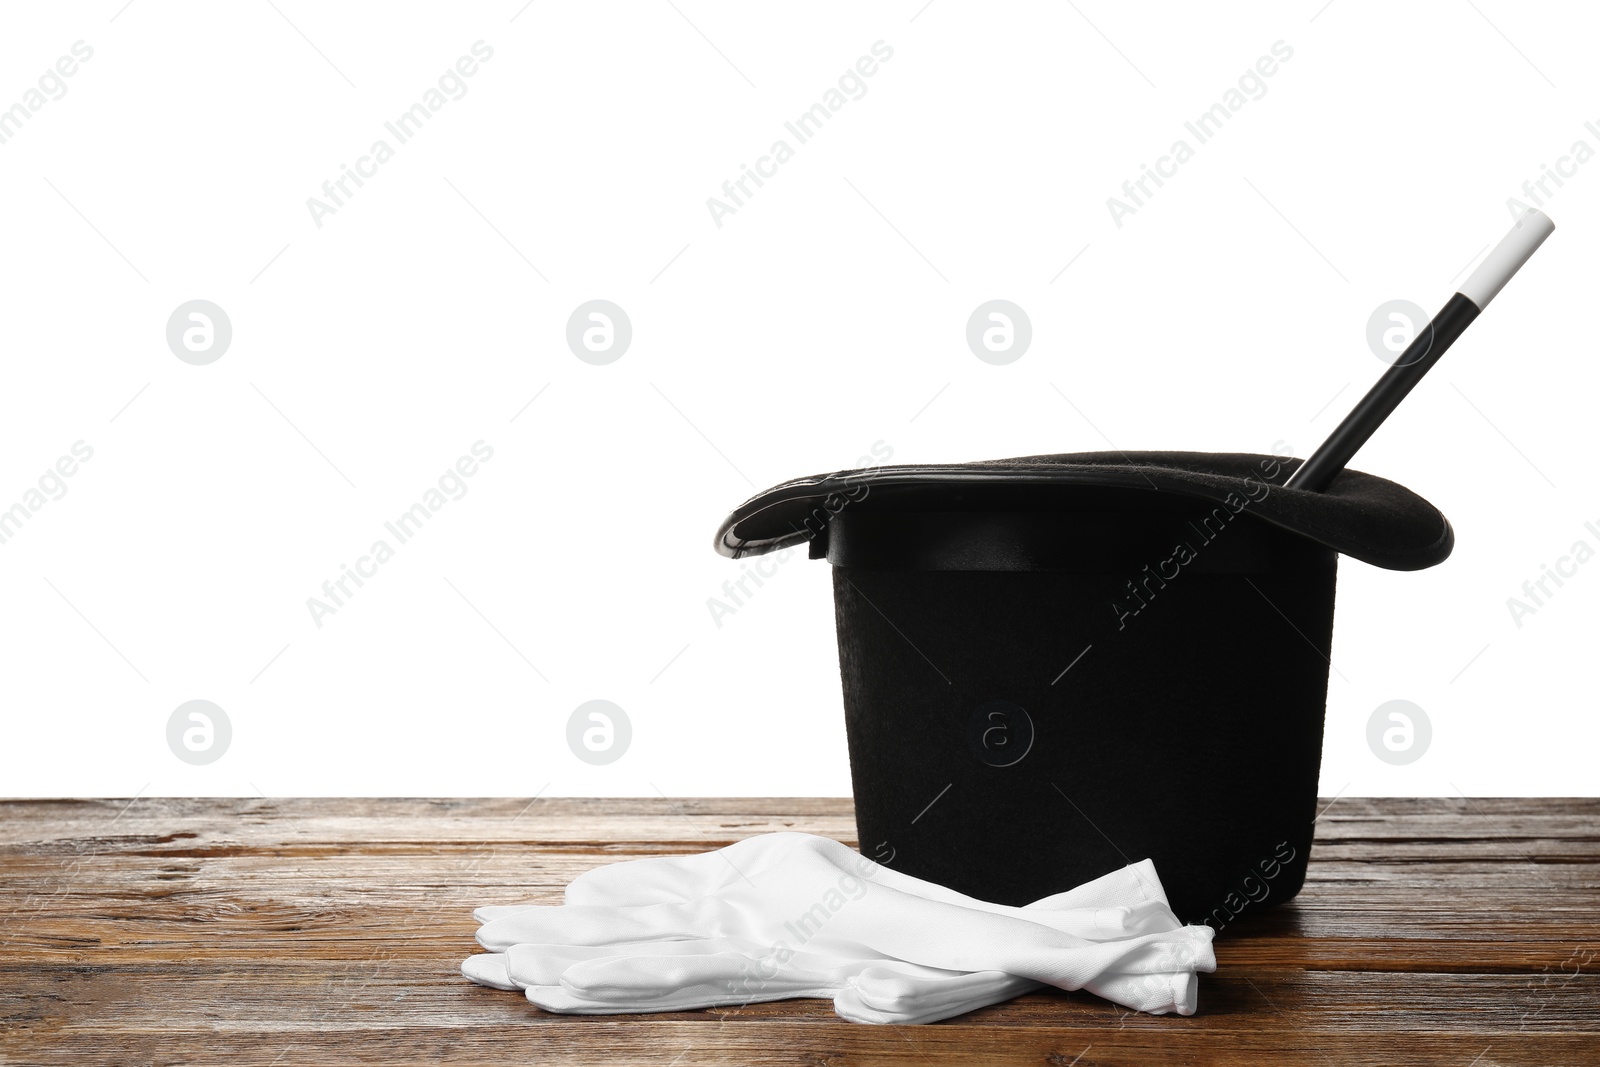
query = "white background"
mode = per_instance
[{"x": 826, "y": 315}]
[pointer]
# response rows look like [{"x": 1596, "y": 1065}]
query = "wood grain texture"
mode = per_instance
[{"x": 319, "y": 931}]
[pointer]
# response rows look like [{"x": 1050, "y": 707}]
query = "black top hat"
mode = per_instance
[{"x": 1057, "y": 665}]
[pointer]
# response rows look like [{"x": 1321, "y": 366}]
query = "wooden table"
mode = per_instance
[{"x": 282, "y": 932}]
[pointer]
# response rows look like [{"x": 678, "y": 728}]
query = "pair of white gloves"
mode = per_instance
[{"x": 793, "y": 915}]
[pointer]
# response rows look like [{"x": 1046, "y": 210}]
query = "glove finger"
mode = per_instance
[
  {"x": 884, "y": 994},
  {"x": 491, "y": 912},
  {"x": 490, "y": 969},
  {"x": 570, "y": 924},
  {"x": 1157, "y": 994},
  {"x": 558, "y": 998},
  {"x": 715, "y": 977},
  {"x": 703, "y": 980},
  {"x": 521, "y": 966},
  {"x": 1185, "y": 950},
  {"x": 1180, "y": 950},
  {"x": 543, "y": 965}
]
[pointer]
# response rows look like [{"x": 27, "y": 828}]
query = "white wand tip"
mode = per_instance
[{"x": 1507, "y": 257}]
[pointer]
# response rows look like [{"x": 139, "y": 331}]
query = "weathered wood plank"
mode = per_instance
[{"x": 329, "y": 931}]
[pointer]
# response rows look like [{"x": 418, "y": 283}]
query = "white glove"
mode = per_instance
[
  {"x": 880, "y": 991},
  {"x": 784, "y": 915}
]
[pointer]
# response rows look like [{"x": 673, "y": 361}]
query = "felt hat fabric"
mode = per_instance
[{"x": 1360, "y": 515}]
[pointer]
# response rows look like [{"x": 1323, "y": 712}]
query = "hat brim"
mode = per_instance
[{"x": 1359, "y": 515}]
